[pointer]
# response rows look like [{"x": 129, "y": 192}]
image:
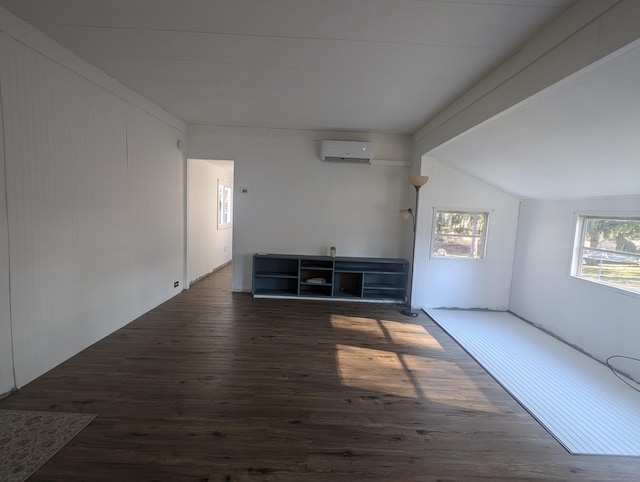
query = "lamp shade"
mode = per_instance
[{"x": 418, "y": 181}]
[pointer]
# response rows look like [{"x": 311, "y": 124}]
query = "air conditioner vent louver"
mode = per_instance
[
  {"x": 351, "y": 160},
  {"x": 346, "y": 152}
]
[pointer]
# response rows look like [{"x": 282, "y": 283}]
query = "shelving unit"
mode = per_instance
[
  {"x": 275, "y": 276},
  {"x": 341, "y": 278},
  {"x": 376, "y": 278},
  {"x": 316, "y": 277}
]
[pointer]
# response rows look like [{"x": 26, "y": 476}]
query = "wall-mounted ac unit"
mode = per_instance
[{"x": 346, "y": 151}]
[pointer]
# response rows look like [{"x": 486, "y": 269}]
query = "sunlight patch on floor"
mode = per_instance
[
  {"x": 386, "y": 357},
  {"x": 398, "y": 333},
  {"x": 405, "y": 334},
  {"x": 375, "y": 370},
  {"x": 464, "y": 393}
]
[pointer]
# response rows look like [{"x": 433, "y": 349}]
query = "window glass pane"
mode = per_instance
[
  {"x": 609, "y": 252},
  {"x": 459, "y": 234},
  {"x": 224, "y": 205},
  {"x": 458, "y": 246},
  {"x": 466, "y": 224}
]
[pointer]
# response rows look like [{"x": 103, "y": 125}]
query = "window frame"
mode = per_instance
[
  {"x": 578, "y": 248},
  {"x": 224, "y": 193},
  {"x": 483, "y": 237}
]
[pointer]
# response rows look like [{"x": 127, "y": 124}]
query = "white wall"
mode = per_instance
[
  {"x": 464, "y": 283},
  {"x": 208, "y": 247},
  {"x": 298, "y": 204},
  {"x": 600, "y": 320},
  {"x": 6, "y": 347},
  {"x": 94, "y": 183}
]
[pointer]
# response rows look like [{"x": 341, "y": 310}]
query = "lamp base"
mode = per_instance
[{"x": 409, "y": 312}]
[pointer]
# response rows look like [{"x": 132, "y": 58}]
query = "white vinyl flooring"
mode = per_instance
[{"x": 576, "y": 398}]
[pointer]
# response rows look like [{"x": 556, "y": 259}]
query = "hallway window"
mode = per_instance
[
  {"x": 607, "y": 251},
  {"x": 459, "y": 234},
  {"x": 224, "y": 204}
]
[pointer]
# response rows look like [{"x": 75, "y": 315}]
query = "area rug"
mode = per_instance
[
  {"x": 28, "y": 439},
  {"x": 576, "y": 398}
]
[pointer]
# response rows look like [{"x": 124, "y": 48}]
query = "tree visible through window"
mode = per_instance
[
  {"x": 608, "y": 251},
  {"x": 459, "y": 234}
]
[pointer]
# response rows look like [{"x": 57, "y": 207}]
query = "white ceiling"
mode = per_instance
[
  {"x": 356, "y": 65},
  {"x": 578, "y": 138},
  {"x": 367, "y": 65}
]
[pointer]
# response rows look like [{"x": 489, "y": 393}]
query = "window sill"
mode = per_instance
[{"x": 605, "y": 286}]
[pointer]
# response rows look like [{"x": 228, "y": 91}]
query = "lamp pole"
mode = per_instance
[{"x": 417, "y": 182}]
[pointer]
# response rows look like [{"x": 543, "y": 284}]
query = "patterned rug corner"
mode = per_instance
[{"x": 28, "y": 439}]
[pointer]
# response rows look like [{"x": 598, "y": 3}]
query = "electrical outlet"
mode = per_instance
[{"x": 176, "y": 284}]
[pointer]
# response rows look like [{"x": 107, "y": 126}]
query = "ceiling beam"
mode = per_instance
[{"x": 587, "y": 32}]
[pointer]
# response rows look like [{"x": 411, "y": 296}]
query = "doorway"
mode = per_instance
[{"x": 209, "y": 216}]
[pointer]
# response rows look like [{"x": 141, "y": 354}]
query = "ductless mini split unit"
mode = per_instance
[{"x": 346, "y": 151}]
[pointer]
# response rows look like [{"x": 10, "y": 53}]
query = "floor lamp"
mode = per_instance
[{"x": 417, "y": 182}]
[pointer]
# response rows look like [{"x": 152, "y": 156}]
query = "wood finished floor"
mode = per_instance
[{"x": 215, "y": 386}]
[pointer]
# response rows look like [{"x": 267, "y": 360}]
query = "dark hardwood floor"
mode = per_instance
[{"x": 215, "y": 386}]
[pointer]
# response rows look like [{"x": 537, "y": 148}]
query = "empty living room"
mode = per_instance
[{"x": 305, "y": 240}]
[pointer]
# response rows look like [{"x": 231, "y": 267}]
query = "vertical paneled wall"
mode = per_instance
[
  {"x": 155, "y": 174},
  {"x": 95, "y": 206},
  {"x": 6, "y": 349}
]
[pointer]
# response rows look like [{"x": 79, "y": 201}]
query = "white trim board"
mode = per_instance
[{"x": 576, "y": 398}]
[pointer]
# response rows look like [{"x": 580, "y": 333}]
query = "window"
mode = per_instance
[
  {"x": 224, "y": 205},
  {"x": 459, "y": 234},
  {"x": 607, "y": 251}
]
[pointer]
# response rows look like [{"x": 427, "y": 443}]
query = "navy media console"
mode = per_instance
[{"x": 319, "y": 277}]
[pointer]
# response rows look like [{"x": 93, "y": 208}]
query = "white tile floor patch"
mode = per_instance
[{"x": 577, "y": 399}]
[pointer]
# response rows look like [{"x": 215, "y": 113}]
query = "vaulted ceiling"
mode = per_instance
[
  {"x": 356, "y": 65},
  {"x": 367, "y": 65},
  {"x": 577, "y": 138}
]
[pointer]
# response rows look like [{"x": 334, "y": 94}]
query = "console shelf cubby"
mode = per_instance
[{"x": 340, "y": 278}]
